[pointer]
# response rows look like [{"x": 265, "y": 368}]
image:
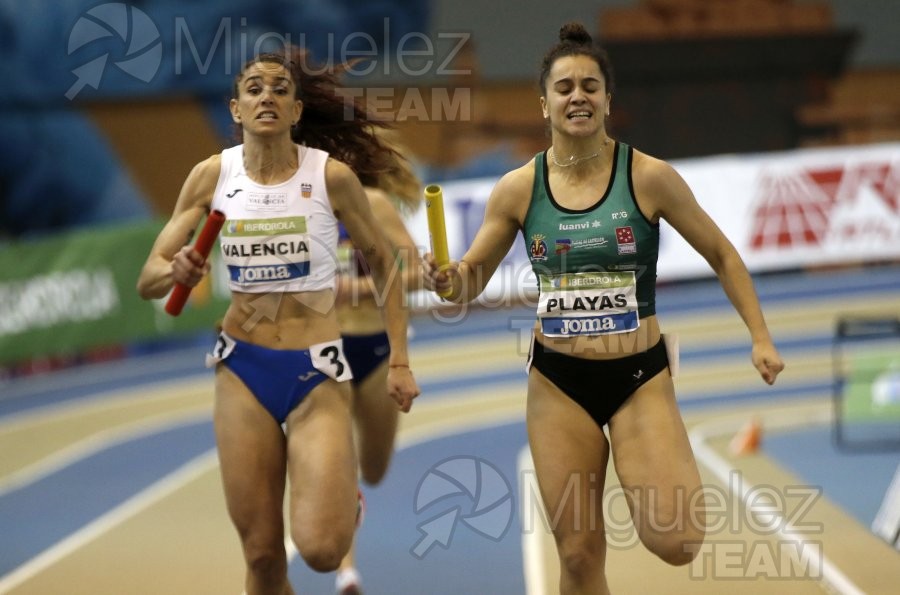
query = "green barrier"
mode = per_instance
[{"x": 73, "y": 292}]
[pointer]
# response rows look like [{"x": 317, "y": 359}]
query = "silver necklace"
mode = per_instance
[{"x": 573, "y": 160}]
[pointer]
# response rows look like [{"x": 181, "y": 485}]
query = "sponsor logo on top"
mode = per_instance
[
  {"x": 625, "y": 240},
  {"x": 538, "y": 248}
]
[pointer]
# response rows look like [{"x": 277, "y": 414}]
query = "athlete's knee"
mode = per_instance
[
  {"x": 372, "y": 470},
  {"x": 673, "y": 531},
  {"x": 267, "y": 563},
  {"x": 677, "y": 549},
  {"x": 323, "y": 557},
  {"x": 375, "y": 452},
  {"x": 323, "y": 554},
  {"x": 678, "y": 553},
  {"x": 581, "y": 554},
  {"x": 266, "y": 567}
]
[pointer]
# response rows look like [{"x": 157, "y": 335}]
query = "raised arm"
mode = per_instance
[
  {"x": 406, "y": 253},
  {"x": 171, "y": 259},
  {"x": 503, "y": 217},
  {"x": 662, "y": 190},
  {"x": 348, "y": 199}
]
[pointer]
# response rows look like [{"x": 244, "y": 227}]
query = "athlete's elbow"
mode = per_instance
[
  {"x": 143, "y": 291},
  {"x": 148, "y": 290}
]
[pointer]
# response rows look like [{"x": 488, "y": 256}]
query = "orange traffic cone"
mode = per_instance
[{"x": 747, "y": 440}]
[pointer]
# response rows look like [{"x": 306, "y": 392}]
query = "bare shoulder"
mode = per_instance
[
  {"x": 518, "y": 180},
  {"x": 345, "y": 192},
  {"x": 512, "y": 193},
  {"x": 376, "y": 196},
  {"x": 207, "y": 170},
  {"x": 381, "y": 203},
  {"x": 658, "y": 188},
  {"x": 201, "y": 182},
  {"x": 649, "y": 170},
  {"x": 338, "y": 173}
]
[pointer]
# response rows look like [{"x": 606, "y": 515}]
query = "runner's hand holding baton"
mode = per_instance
[
  {"x": 203, "y": 245},
  {"x": 437, "y": 229}
]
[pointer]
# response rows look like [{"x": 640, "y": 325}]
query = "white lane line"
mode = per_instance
[
  {"x": 99, "y": 441},
  {"x": 105, "y": 401},
  {"x": 111, "y": 372},
  {"x": 190, "y": 471},
  {"x": 532, "y": 546},
  {"x": 408, "y": 438},
  {"x": 114, "y": 517},
  {"x": 703, "y": 432}
]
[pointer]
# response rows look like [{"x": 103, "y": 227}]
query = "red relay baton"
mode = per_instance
[{"x": 203, "y": 245}]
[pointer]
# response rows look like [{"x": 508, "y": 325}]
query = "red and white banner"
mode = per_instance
[{"x": 795, "y": 209}]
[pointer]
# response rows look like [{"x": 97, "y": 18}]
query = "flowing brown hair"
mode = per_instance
[
  {"x": 332, "y": 120},
  {"x": 400, "y": 181}
]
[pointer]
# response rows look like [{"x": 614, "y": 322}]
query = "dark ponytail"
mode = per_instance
[{"x": 574, "y": 40}]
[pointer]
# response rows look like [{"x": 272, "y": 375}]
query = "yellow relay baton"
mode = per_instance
[{"x": 437, "y": 228}]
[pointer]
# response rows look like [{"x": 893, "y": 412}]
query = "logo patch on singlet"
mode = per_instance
[
  {"x": 265, "y": 227},
  {"x": 589, "y": 243},
  {"x": 306, "y": 190},
  {"x": 625, "y": 240},
  {"x": 538, "y": 248},
  {"x": 266, "y": 201}
]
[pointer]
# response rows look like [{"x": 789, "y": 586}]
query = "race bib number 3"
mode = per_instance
[
  {"x": 576, "y": 304},
  {"x": 329, "y": 358}
]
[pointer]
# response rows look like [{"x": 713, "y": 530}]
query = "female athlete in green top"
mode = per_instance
[{"x": 597, "y": 355}]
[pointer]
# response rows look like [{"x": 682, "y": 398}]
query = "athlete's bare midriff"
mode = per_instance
[{"x": 282, "y": 320}]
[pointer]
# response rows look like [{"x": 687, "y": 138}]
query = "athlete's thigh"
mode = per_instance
[
  {"x": 375, "y": 415},
  {"x": 251, "y": 448},
  {"x": 653, "y": 456},
  {"x": 570, "y": 454},
  {"x": 322, "y": 462}
]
